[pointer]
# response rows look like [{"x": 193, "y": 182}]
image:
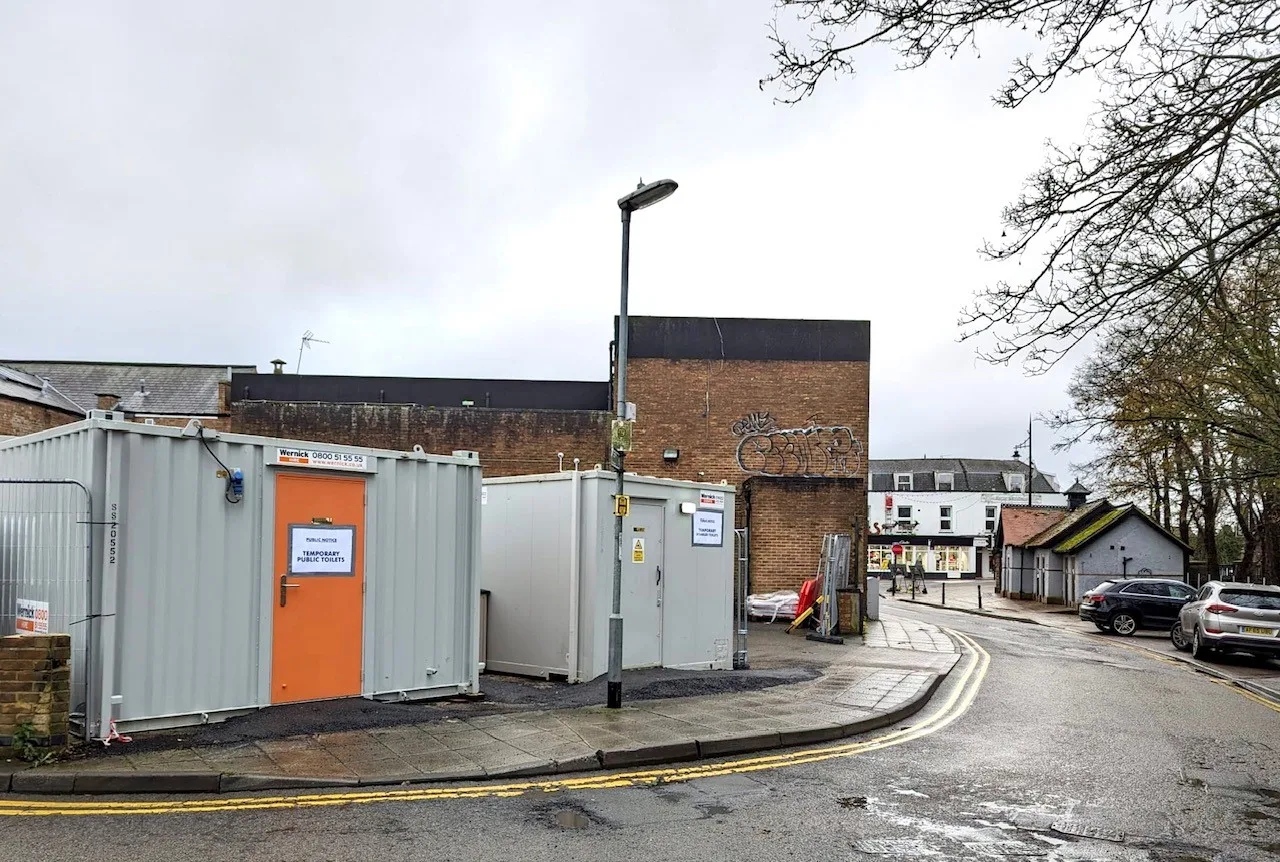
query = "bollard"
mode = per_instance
[
  {"x": 944, "y": 592},
  {"x": 979, "y": 596}
]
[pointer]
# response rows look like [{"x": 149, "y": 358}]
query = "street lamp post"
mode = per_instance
[
  {"x": 643, "y": 196},
  {"x": 1016, "y": 455}
]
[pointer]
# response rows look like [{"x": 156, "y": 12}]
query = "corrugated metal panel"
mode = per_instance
[
  {"x": 421, "y": 606},
  {"x": 189, "y": 588},
  {"x": 184, "y": 580}
]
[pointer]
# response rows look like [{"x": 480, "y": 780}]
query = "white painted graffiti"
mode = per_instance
[{"x": 812, "y": 450}]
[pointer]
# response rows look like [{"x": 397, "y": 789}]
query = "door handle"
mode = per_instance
[
  {"x": 659, "y": 580},
  {"x": 285, "y": 586}
]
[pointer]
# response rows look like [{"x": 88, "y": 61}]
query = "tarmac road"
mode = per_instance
[{"x": 1072, "y": 748}]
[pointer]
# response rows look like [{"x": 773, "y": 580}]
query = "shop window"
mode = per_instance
[{"x": 951, "y": 559}]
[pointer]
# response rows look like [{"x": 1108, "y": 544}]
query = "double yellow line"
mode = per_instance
[
  {"x": 977, "y": 661},
  {"x": 1155, "y": 656}
]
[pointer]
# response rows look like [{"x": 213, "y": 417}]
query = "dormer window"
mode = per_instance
[
  {"x": 1015, "y": 482},
  {"x": 902, "y": 481},
  {"x": 944, "y": 481}
]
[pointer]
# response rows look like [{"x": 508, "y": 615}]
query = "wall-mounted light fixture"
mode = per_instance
[
  {"x": 670, "y": 454},
  {"x": 688, "y": 508}
]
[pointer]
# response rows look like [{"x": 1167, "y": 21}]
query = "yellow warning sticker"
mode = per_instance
[{"x": 637, "y": 550}]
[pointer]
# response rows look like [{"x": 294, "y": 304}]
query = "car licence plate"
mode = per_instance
[{"x": 1255, "y": 630}]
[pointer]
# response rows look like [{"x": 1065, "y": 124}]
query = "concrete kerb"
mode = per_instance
[
  {"x": 33, "y": 782},
  {"x": 975, "y": 612}
]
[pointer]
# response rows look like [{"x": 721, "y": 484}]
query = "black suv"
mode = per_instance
[{"x": 1124, "y": 606}]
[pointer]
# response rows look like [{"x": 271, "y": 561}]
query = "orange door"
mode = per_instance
[{"x": 317, "y": 587}]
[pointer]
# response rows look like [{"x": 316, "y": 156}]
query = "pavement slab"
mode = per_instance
[{"x": 898, "y": 662}]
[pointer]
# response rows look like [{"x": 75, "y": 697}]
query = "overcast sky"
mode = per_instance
[{"x": 431, "y": 186}]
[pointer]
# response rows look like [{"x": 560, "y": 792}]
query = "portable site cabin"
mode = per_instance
[
  {"x": 205, "y": 574},
  {"x": 547, "y": 552}
]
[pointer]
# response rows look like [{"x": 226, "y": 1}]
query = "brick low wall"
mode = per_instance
[{"x": 35, "y": 686}]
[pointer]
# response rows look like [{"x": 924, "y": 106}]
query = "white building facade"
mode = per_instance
[{"x": 943, "y": 512}]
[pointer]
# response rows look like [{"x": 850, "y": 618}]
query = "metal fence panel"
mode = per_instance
[
  {"x": 741, "y": 586},
  {"x": 44, "y": 557}
]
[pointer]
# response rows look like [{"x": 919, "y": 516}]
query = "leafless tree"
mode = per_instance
[{"x": 1173, "y": 184}]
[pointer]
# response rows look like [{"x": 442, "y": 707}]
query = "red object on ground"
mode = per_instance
[{"x": 808, "y": 595}]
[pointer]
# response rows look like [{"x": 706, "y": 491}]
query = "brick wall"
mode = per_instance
[
  {"x": 789, "y": 517},
  {"x": 22, "y": 417},
  {"x": 35, "y": 686},
  {"x": 510, "y": 442},
  {"x": 693, "y": 405}
]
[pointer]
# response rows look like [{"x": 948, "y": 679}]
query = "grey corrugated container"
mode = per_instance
[
  {"x": 179, "y": 629},
  {"x": 542, "y": 533}
]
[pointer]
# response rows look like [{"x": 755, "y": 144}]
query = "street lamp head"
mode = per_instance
[{"x": 646, "y": 195}]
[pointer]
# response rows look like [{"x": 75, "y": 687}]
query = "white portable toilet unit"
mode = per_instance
[
  {"x": 547, "y": 552},
  {"x": 204, "y": 574}
]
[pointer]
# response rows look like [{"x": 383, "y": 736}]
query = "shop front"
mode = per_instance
[{"x": 937, "y": 556}]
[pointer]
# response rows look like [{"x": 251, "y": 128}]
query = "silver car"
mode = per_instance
[{"x": 1230, "y": 617}]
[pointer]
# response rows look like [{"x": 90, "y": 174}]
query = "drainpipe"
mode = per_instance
[
  {"x": 575, "y": 559},
  {"x": 746, "y": 487}
]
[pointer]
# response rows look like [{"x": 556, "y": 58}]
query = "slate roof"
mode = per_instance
[
  {"x": 1019, "y": 523},
  {"x": 1077, "y": 488},
  {"x": 143, "y": 387},
  {"x": 970, "y": 474},
  {"x": 24, "y": 386}
]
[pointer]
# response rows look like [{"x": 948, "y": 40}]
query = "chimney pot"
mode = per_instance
[{"x": 277, "y": 366}]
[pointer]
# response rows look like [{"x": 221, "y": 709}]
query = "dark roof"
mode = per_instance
[
  {"x": 738, "y": 338},
  {"x": 143, "y": 387},
  {"x": 1078, "y": 538},
  {"x": 24, "y": 386},
  {"x": 423, "y": 391},
  {"x": 969, "y": 474},
  {"x": 1077, "y": 488}
]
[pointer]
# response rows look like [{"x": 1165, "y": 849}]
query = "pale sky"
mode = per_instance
[{"x": 431, "y": 188}]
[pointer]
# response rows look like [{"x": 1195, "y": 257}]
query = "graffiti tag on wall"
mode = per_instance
[{"x": 812, "y": 450}]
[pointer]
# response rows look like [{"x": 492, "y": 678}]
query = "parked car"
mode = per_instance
[
  {"x": 1229, "y": 617},
  {"x": 1125, "y": 606}
]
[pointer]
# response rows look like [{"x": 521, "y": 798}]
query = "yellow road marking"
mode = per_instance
[
  {"x": 1151, "y": 654},
  {"x": 959, "y": 700},
  {"x": 1230, "y": 686},
  {"x": 1155, "y": 656}
]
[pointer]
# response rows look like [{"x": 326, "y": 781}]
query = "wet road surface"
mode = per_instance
[{"x": 1073, "y": 748}]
